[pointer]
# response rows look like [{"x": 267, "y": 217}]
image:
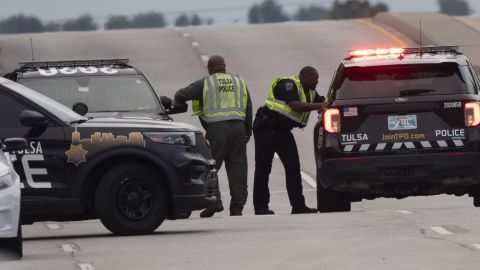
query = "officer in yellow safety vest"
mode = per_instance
[
  {"x": 288, "y": 106},
  {"x": 222, "y": 102}
]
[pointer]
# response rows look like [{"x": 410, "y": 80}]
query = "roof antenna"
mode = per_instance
[
  {"x": 31, "y": 47},
  {"x": 421, "y": 39}
]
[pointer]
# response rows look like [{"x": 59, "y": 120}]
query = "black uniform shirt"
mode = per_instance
[
  {"x": 195, "y": 92},
  {"x": 286, "y": 90}
]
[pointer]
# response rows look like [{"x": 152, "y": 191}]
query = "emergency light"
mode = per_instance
[{"x": 381, "y": 52}]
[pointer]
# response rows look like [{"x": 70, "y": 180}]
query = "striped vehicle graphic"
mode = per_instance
[{"x": 403, "y": 146}]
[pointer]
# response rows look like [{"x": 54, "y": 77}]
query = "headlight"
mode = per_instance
[
  {"x": 174, "y": 138},
  {"x": 6, "y": 181}
]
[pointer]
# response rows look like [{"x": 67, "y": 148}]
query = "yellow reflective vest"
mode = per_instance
[
  {"x": 225, "y": 98},
  {"x": 282, "y": 107}
]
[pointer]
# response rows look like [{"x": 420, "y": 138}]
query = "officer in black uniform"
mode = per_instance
[{"x": 290, "y": 101}]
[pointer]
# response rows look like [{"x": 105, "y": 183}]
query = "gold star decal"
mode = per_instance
[{"x": 76, "y": 154}]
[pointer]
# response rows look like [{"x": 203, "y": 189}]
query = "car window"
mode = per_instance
[
  {"x": 401, "y": 80},
  {"x": 11, "y": 110},
  {"x": 100, "y": 93}
]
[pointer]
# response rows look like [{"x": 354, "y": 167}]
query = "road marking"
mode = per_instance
[
  {"x": 204, "y": 57},
  {"x": 53, "y": 226},
  {"x": 69, "y": 248},
  {"x": 186, "y": 35},
  {"x": 86, "y": 266},
  {"x": 384, "y": 31},
  {"x": 195, "y": 44},
  {"x": 441, "y": 230},
  {"x": 405, "y": 212},
  {"x": 307, "y": 178},
  {"x": 476, "y": 246}
]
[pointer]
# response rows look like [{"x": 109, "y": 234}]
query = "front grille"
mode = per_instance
[
  {"x": 394, "y": 146},
  {"x": 202, "y": 147}
]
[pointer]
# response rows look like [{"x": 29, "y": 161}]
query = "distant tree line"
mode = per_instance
[
  {"x": 269, "y": 11},
  {"x": 30, "y": 24},
  {"x": 454, "y": 7}
]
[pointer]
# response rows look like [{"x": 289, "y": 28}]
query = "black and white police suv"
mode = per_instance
[
  {"x": 131, "y": 173},
  {"x": 399, "y": 122}
]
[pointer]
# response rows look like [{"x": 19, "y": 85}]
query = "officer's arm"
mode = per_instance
[
  {"x": 299, "y": 106},
  {"x": 192, "y": 92}
]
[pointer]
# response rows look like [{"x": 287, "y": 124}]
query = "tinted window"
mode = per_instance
[
  {"x": 10, "y": 110},
  {"x": 100, "y": 93},
  {"x": 401, "y": 80}
]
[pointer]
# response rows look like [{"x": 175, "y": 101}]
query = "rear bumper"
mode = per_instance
[
  {"x": 430, "y": 173},
  {"x": 10, "y": 210}
]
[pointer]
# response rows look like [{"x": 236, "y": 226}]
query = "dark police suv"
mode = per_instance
[
  {"x": 399, "y": 122},
  {"x": 131, "y": 172}
]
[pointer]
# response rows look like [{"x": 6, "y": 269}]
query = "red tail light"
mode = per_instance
[
  {"x": 472, "y": 114},
  {"x": 331, "y": 120}
]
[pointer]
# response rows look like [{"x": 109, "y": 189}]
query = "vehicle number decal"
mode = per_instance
[
  {"x": 447, "y": 105},
  {"x": 402, "y": 122},
  {"x": 70, "y": 71}
]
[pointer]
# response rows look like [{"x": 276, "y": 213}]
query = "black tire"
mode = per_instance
[
  {"x": 332, "y": 201},
  {"x": 476, "y": 200},
  {"x": 131, "y": 199},
  {"x": 14, "y": 244}
]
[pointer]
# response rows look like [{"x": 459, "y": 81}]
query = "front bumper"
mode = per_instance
[
  {"x": 432, "y": 173},
  {"x": 10, "y": 210},
  {"x": 199, "y": 192}
]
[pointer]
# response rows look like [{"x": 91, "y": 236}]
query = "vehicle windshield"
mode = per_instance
[
  {"x": 126, "y": 93},
  {"x": 62, "y": 112},
  {"x": 401, "y": 80}
]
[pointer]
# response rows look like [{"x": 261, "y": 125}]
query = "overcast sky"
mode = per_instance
[{"x": 224, "y": 12}]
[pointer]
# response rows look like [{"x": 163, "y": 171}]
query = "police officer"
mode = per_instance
[
  {"x": 222, "y": 102},
  {"x": 288, "y": 106}
]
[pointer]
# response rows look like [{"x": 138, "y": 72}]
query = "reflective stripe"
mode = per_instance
[
  {"x": 286, "y": 114},
  {"x": 229, "y": 109},
  {"x": 241, "y": 91},
  {"x": 458, "y": 142},
  {"x": 364, "y": 147},
  {"x": 235, "y": 86},
  {"x": 348, "y": 148},
  {"x": 218, "y": 101},
  {"x": 410, "y": 145},
  {"x": 397, "y": 146},
  {"x": 380, "y": 146},
  {"x": 426, "y": 144},
  {"x": 223, "y": 118},
  {"x": 442, "y": 143},
  {"x": 210, "y": 92}
]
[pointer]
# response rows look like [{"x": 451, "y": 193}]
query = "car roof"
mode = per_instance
[
  {"x": 75, "y": 68},
  {"x": 411, "y": 56}
]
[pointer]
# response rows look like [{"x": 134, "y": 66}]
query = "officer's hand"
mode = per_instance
[{"x": 247, "y": 139}]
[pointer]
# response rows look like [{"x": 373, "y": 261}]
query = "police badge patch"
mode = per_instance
[{"x": 289, "y": 86}]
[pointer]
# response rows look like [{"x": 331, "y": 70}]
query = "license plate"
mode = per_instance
[{"x": 402, "y": 122}]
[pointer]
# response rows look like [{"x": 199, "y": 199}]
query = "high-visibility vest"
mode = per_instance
[
  {"x": 225, "y": 98},
  {"x": 282, "y": 107}
]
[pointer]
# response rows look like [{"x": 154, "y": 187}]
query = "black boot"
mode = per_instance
[
  {"x": 209, "y": 212},
  {"x": 303, "y": 210}
]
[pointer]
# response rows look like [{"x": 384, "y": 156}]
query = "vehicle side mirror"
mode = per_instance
[
  {"x": 30, "y": 118},
  {"x": 80, "y": 108},
  {"x": 166, "y": 102},
  {"x": 14, "y": 144}
]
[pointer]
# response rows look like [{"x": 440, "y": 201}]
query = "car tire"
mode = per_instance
[
  {"x": 476, "y": 200},
  {"x": 332, "y": 201},
  {"x": 14, "y": 245},
  {"x": 131, "y": 199}
]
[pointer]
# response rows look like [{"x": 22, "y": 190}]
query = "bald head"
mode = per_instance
[
  {"x": 308, "y": 77},
  {"x": 215, "y": 64}
]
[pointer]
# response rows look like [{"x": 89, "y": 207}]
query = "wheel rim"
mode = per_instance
[{"x": 134, "y": 199}]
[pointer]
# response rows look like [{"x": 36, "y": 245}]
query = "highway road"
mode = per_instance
[{"x": 439, "y": 232}]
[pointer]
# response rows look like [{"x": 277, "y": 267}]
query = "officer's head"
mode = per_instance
[
  {"x": 308, "y": 77},
  {"x": 216, "y": 63}
]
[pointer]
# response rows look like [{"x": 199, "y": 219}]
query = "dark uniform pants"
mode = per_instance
[
  {"x": 228, "y": 144},
  {"x": 268, "y": 142}
]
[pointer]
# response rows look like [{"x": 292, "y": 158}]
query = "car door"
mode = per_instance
[{"x": 41, "y": 166}]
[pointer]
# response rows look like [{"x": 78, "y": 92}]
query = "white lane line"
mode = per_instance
[
  {"x": 204, "y": 58},
  {"x": 307, "y": 178},
  {"x": 53, "y": 226},
  {"x": 185, "y": 34},
  {"x": 476, "y": 246},
  {"x": 69, "y": 248},
  {"x": 86, "y": 266},
  {"x": 195, "y": 44},
  {"x": 441, "y": 230},
  {"x": 405, "y": 212}
]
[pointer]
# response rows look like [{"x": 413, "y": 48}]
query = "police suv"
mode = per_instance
[
  {"x": 132, "y": 172},
  {"x": 399, "y": 122}
]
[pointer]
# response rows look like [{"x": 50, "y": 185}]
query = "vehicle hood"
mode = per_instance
[{"x": 137, "y": 121}]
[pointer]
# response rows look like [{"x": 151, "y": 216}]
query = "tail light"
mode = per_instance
[
  {"x": 472, "y": 114},
  {"x": 331, "y": 120}
]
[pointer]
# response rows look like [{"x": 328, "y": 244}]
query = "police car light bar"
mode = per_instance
[
  {"x": 395, "y": 52},
  {"x": 73, "y": 63}
]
